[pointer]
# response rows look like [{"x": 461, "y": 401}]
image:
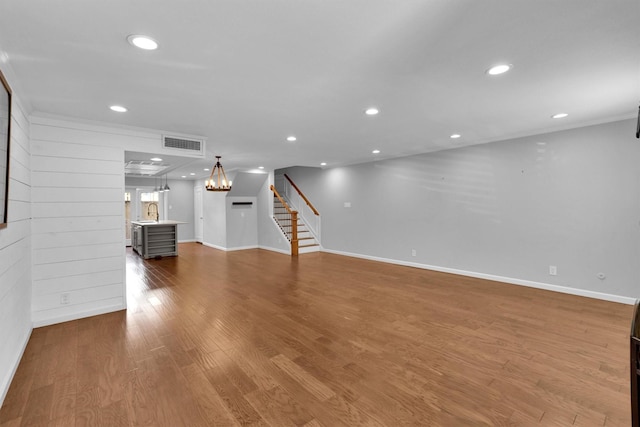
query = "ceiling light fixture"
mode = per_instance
[
  {"x": 118, "y": 108},
  {"x": 192, "y": 174},
  {"x": 498, "y": 69},
  {"x": 156, "y": 159},
  {"x": 455, "y": 136},
  {"x": 376, "y": 151},
  {"x": 559, "y": 116},
  {"x": 142, "y": 42},
  {"x": 260, "y": 167},
  {"x": 291, "y": 138},
  {"x": 372, "y": 111},
  {"x": 323, "y": 164},
  {"x": 183, "y": 176},
  {"x": 217, "y": 181},
  {"x": 166, "y": 184},
  {"x": 206, "y": 169}
]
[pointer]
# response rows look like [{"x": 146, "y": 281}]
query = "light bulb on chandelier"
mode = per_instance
[{"x": 218, "y": 179}]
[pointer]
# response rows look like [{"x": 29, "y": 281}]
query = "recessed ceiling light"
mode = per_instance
[
  {"x": 498, "y": 69},
  {"x": 559, "y": 116},
  {"x": 291, "y": 138},
  {"x": 323, "y": 164},
  {"x": 118, "y": 109},
  {"x": 455, "y": 136},
  {"x": 143, "y": 42},
  {"x": 376, "y": 151},
  {"x": 184, "y": 176},
  {"x": 206, "y": 169},
  {"x": 192, "y": 174},
  {"x": 260, "y": 167},
  {"x": 372, "y": 111},
  {"x": 156, "y": 159}
]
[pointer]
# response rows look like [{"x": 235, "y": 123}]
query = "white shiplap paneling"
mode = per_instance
[
  {"x": 78, "y": 220},
  {"x": 15, "y": 253}
]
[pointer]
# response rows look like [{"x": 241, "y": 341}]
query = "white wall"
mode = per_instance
[
  {"x": 78, "y": 215},
  {"x": 78, "y": 234},
  {"x": 505, "y": 210},
  {"x": 270, "y": 236},
  {"x": 242, "y": 223},
  {"x": 15, "y": 252},
  {"x": 215, "y": 219}
]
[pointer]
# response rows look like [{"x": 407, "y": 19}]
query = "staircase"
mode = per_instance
[{"x": 306, "y": 242}]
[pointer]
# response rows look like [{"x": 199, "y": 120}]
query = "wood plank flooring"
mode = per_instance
[{"x": 255, "y": 338}]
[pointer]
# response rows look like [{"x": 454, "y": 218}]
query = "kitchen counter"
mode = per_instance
[{"x": 155, "y": 239}]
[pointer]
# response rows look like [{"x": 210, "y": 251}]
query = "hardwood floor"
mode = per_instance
[{"x": 256, "y": 338}]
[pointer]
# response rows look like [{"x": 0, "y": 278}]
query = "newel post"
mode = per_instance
[{"x": 294, "y": 233}]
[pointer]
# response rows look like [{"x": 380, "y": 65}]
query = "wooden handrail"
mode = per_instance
[
  {"x": 302, "y": 195},
  {"x": 294, "y": 222},
  {"x": 281, "y": 199}
]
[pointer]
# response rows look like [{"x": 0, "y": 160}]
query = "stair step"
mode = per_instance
[{"x": 308, "y": 246}]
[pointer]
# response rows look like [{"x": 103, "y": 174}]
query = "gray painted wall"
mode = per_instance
[
  {"x": 179, "y": 206},
  {"x": 242, "y": 223},
  {"x": 510, "y": 209},
  {"x": 215, "y": 219}
]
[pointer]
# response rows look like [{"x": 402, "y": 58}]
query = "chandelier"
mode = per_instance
[{"x": 218, "y": 179}]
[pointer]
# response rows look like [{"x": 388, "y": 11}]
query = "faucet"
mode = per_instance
[{"x": 155, "y": 211}]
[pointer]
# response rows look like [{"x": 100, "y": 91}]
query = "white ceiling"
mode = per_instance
[{"x": 245, "y": 74}]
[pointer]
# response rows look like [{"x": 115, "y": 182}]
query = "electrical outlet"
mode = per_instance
[
  {"x": 413, "y": 252},
  {"x": 64, "y": 299},
  {"x": 553, "y": 270}
]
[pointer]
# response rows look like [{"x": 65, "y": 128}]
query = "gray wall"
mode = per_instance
[
  {"x": 508, "y": 209},
  {"x": 215, "y": 219},
  {"x": 242, "y": 223},
  {"x": 180, "y": 203},
  {"x": 181, "y": 208}
]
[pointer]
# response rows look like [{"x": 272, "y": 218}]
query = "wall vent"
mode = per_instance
[{"x": 192, "y": 146}]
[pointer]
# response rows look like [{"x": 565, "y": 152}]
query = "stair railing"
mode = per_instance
[
  {"x": 309, "y": 214},
  {"x": 293, "y": 222}
]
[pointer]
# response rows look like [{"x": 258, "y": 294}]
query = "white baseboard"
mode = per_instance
[
  {"x": 280, "y": 251},
  {"x": 6, "y": 382},
  {"x": 510, "y": 280},
  {"x": 237, "y": 248},
  {"x": 220, "y": 248},
  {"x": 80, "y": 315},
  {"x": 241, "y": 248},
  {"x": 187, "y": 241}
]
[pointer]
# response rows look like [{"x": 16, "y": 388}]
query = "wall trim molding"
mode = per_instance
[
  {"x": 272, "y": 249},
  {"x": 13, "y": 369},
  {"x": 241, "y": 248},
  {"x": 503, "y": 279},
  {"x": 237, "y": 248},
  {"x": 80, "y": 315},
  {"x": 211, "y": 245},
  {"x": 187, "y": 241}
]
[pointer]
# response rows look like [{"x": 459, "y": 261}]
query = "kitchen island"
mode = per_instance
[{"x": 153, "y": 239}]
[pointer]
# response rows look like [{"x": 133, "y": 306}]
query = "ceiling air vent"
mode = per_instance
[{"x": 192, "y": 146}]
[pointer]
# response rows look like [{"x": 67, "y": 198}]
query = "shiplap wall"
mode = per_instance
[
  {"x": 77, "y": 209},
  {"x": 78, "y": 215},
  {"x": 15, "y": 253}
]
